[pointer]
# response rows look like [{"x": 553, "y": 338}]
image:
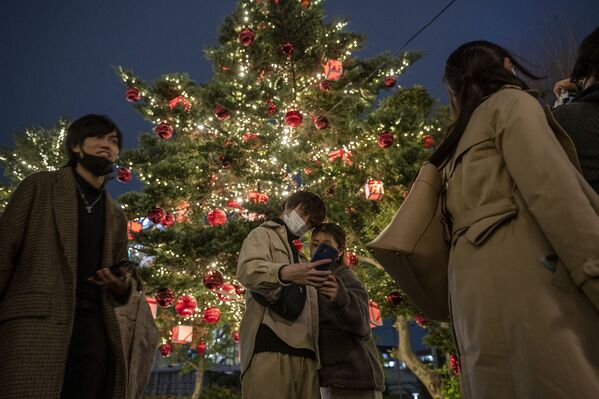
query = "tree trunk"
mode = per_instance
[
  {"x": 431, "y": 380},
  {"x": 197, "y": 390}
]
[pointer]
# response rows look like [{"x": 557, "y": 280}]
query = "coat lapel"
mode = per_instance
[{"x": 64, "y": 198}]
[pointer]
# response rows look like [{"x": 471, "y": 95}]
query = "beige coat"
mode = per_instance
[
  {"x": 263, "y": 253},
  {"x": 140, "y": 340},
  {"x": 38, "y": 266},
  {"x": 523, "y": 331}
]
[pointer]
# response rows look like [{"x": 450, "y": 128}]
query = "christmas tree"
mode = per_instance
[
  {"x": 290, "y": 108},
  {"x": 35, "y": 149}
]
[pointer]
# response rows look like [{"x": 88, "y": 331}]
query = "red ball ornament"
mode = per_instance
[
  {"x": 235, "y": 336},
  {"x": 321, "y": 122},
  {"x": 201, "y": 347},
  {"x": 165, "y": 349},
  {"x": 293, "y": 118},
  {"x": 385, "y": 139},
  {"x": 211, "y": 315},
  {"x": 389, "y": 81},
  {"x": 421, "y": 320},
  {"x": 239, "y": 290},
  {"x": 221, "y": 113},
  {"x": 428, "y": 141},
  {"x": 168, "y": 220},
  {"x": 186, "y": 305},
  {"x": 157, "y": 215},
  {"x": 124, "y": 175},
  {"x": 455, "y": 364},
  {"x": 246, "y": 37},
  {"x": 217, "y": 217},
  {"x": 227, "y": 289},
  {"x": 350, "y": 259},
  {"x": 272, "y": 107},
  {"x": 132, "y": 94},
  {"x": 298, "y": 244},
  {"x": 287, "y": 49},
  {"x": 324, "y": 85},
  {"x": 165, "y": 297},
  {"x": 164, "y": 130},
  {"x": 213, "y": 279},
  {"x": 394, "y": 298}
]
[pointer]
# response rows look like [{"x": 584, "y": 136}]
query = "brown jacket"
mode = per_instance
[
  {"x": 263, "y": 253},
  {"x": 140, "y": 340},
  {"x": 523, "y": 330},
  {"x": 38, "y": 266},
  {"x": 348, "y": 353}
]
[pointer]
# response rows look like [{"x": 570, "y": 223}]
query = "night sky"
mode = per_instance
[{"x": 57, "y": 55}]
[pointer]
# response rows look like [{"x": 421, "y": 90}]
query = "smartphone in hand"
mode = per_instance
[
  {"x": 325, "y": 251},
  {"x": 115, "y": 269}
]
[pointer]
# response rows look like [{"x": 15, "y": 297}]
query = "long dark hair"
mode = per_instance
[
  {"x": 587, "y": 58},
  {"x": 472, "y": 72}
]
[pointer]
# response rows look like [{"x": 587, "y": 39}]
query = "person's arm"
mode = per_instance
[
  {"x": 13, "y": 225},
  {"x": 550, "y": 186},
  {"x": 348, "y": 309}
]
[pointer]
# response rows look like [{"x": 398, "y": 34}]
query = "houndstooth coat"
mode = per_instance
[{"x": 38, "y": 266}]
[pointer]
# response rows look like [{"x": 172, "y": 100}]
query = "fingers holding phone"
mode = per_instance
[
  {"x": 330, "y": 287},
  {"x": 305, "y": 273},
  {"x": 106, "y": 279}
]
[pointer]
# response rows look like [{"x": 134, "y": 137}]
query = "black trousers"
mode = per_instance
[{"x": 88, "y": 372}]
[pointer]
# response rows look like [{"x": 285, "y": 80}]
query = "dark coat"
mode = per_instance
[
  {"x": 580, "y": 119},
  {"x": 526, "y": 327},
  {"x": 348, "y": 354},
  {"x": 38, "y": 266}
]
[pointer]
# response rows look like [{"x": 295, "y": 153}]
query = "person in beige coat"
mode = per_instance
[
  {"x": 279, "y": 328},
  {"x": 524, "y": 262},
  {"x": 59, "y": 234}
]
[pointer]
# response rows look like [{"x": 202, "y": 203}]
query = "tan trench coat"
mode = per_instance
[
  {"x": 523, "y": 331},
  {"x": 263, "y": 253},
  {"x": 38, "y": 266}
]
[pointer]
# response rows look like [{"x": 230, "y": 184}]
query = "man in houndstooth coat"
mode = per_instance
[{"x": 59, "y": 336}]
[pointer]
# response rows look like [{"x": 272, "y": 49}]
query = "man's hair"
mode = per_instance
[
  {"x": 311, "y": 204},
  {"x": 89, "y": 126},
  {"x": 587, "y": 58},
  {"x": 334, "y": 230}
]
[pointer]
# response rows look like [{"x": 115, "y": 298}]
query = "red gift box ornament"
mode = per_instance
[
  {"x": 246, "y": 36},
  {"x": 211, "y": 315},
  {"x": 179, "y": 100},
  {"x": 182, "y": 334},
  {"x": 165, "y": 297},
  {"x": 342, "y": 154},
  {"x": 168, "y": 220},
  {"x": 132, "y": 94},
  {"x": 293, "y": 118},
  {"x": 213, "y": 279},
  {"x": 333, "y": 69},
  {"x": 374, "y": 190},
  {"x": 186, "y": 305},
  {"x": 133, "y": 227},
  {"x": 374, "y": 313}
]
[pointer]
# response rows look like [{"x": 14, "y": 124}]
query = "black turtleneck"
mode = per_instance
[{"x": 90, "y": 240}]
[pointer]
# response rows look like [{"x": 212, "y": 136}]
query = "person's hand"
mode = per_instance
[
  {"x": 330, "y": 287},
  {"x": 305, "y": 273},
  {"x": 106, "y": 280},
  {"x": 564, "y": 84}
]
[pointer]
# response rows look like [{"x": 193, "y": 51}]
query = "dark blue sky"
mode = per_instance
[{"x": 57, "y": 55}]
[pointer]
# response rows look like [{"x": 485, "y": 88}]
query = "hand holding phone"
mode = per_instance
[{"x": 325, "y": 251}]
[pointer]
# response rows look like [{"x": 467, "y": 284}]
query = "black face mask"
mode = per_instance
[{"x": 98, "y": 166}]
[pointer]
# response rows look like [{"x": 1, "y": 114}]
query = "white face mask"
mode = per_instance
[{"x": 295, "y": 223}]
